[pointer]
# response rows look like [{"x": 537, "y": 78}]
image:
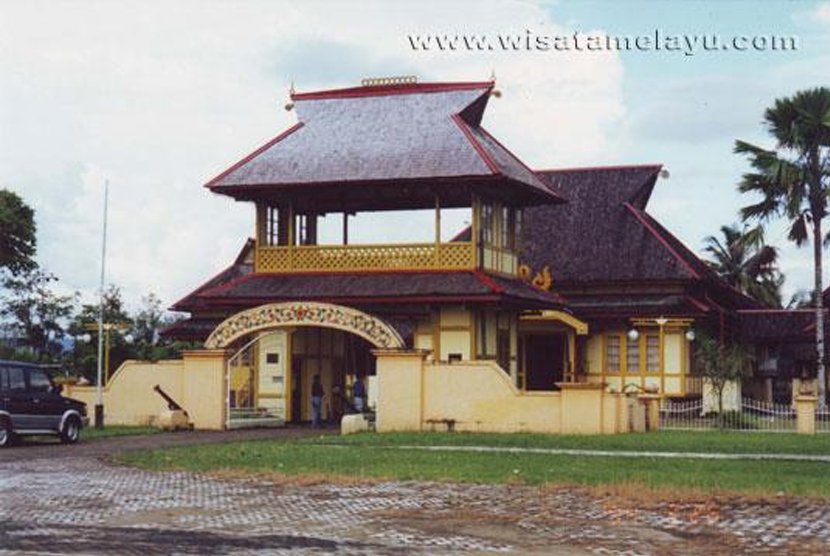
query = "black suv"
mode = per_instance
[{"x": 30, "y": 403}]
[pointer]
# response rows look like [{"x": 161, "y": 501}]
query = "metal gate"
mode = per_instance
[{"x": 246, "y": 405}]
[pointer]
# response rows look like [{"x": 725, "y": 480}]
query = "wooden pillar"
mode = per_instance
[
  {"x": 310, "y": 229},
  {"x": 661, "y": 322},
  {"x": 474, "y": 230},
  {"x": 345, "y": 228},
  {"x": 437, "y": 231},
  {"x": 572, "y": 354}
]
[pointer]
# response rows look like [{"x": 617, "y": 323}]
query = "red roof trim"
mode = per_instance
[
  {"x": 599, "y": 168},
  {"x": 197, "y": 291},
  {"x": 382, "y": 299},
  {"x": 400, "y": 89},
  {"x": 549, "y": 187},
  {"x": 699, "y": 304},
  {"x": 229, "y": 189},
  {"x": 485, "y": 156},
  {"x": 257, "y": 152},
  {"x": 489, "y": 282},
  {"x": 661, "y": 239},
  {"x": 752, "y": 311}
]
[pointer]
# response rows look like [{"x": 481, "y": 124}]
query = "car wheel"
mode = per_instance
[
  {"x": 6, "y": 435},
  {"x": 71, "y": 430}
]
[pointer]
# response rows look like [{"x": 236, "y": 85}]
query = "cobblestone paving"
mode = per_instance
[{"x": 82, "y": 505}]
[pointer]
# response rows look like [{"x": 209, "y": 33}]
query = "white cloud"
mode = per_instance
[{"x": 160, "y": 96}]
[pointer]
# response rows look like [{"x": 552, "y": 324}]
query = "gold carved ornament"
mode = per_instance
[{"x": 541, "y": 280}]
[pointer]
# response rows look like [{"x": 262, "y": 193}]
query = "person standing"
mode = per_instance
[
  {"x": 359, "y": 395},
  {"x": 317, "y": 394}
]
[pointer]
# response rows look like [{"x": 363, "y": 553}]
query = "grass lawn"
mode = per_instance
[
  {"x": 91, "y": 433},
  {"x": 669, "y": 441},
  {"x": 366, "y": 457}
]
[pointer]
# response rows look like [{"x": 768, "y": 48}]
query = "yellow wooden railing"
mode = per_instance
[{"x": 346, "y": 258}]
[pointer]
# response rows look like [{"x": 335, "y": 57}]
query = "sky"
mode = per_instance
[{"x": 158, "y": 97}]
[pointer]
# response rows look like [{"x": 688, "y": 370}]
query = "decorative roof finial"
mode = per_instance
[
  {"x": 493, "y": 74},
  {"x": 289, "y": 106},
  {"x": 383, "y": 81}
]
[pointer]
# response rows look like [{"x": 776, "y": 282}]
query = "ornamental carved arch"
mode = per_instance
[{"x": 301, "y": 313}]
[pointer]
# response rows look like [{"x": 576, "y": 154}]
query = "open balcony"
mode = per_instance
[{"x": 353, "y": 258}]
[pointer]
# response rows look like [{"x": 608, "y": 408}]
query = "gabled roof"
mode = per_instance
[
  {"x": 604, "y": 234},
  {"x": 381, "y": 134},
  {"x": 777, "y": 325}
]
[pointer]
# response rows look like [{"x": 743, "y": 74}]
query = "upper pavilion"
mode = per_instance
[{"x": 387, "y": 145}]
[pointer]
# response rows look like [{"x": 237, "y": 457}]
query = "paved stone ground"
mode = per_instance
[{"x": 77, "y": 503}]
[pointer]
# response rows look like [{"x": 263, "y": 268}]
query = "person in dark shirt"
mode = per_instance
[
  {"x": 359, "y": 395},
  {"x": 317, "y": 394}
]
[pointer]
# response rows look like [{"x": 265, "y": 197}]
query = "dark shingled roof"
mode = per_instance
[
  {"x": 775, "y": 325},
  {"x": 195, "y": 329},
  {"x": 594, "y": 305},
  {"x": 402, "y": 132},
  {"x": 377, "y": 287},
  {"x": 603, "y": 233}
]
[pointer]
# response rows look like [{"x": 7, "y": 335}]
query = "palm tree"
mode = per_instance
[
  {"x": 743, "y": 260},
  {"x": 793, "y": 180}
]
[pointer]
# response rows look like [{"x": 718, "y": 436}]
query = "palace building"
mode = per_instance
[{"x": 559, "y": 295}]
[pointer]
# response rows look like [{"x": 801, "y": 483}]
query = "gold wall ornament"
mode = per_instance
[
  {"x": 542, "y": 279},
  {"x": 304, "y": 313}
]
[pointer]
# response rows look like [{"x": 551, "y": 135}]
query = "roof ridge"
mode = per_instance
[
  {"x": 393, "y": 89},
  {"x": 597, "y": 168},
  {"x": 510, "y": 153},
  {"x": 256, "y": 153},
  {"x": 484, "y": 155},
  {"x": 659, "y": 237},
  {"x": 203, "y": 286}
]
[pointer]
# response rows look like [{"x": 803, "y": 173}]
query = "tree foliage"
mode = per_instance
[
  {"x": 746, "y": 263},
  {"x": 17, "y": 233},
  {"x": 721, "y": 364},
  {"x": 33, "y": 314},
  {"x": 792, "y": 181}
]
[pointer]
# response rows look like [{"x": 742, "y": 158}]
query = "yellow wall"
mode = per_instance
[
  {"x": 400, "y": 391},
  {"x": 205, "y": 387},
  {"x": 455, "y": 332},
  {"x": 479, "y": 396},
  {"x": 197, "y": 383},
  {"x": 271, "y": 376},
  {"x": 675, "y": 363},
  {"x": 129, "y": 398}
]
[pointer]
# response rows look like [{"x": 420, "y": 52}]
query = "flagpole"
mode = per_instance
[{"x": 99, "y": 401}]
